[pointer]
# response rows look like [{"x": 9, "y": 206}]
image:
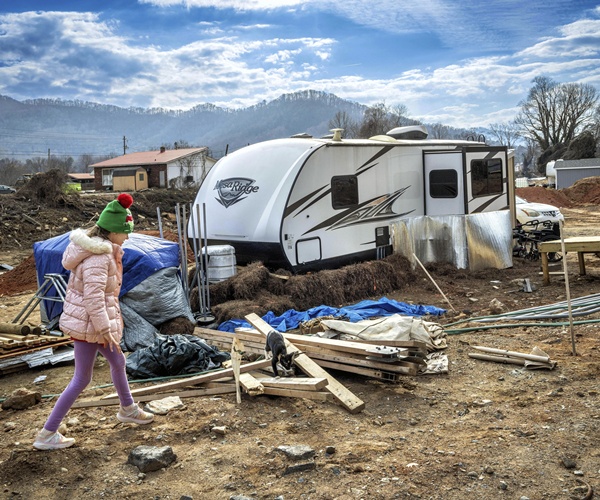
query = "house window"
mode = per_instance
[
  {"x": 443, "y": 183},
  {"x": 107, "y": 176},
  {"x": 486, "y": 177},
  {"x": 344, "y": 191},
  {"x": 140, "y": 177}
]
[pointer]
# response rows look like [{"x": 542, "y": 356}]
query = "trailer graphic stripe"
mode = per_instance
[
  {"x": 360, "y": 170},
  {"x": 376, "y": 209}
]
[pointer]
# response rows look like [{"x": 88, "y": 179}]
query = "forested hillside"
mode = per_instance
[{"x": 75, "y": 128}]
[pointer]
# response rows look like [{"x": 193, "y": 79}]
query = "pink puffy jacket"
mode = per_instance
[{"x": 91, "y": 309}]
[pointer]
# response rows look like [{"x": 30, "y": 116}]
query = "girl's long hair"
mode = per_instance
[{"x": 98, "y": 231}]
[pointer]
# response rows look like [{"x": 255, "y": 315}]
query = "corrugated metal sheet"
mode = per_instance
[{"x": 475, "y": 242}]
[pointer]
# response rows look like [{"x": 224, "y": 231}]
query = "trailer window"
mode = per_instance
[
  {"x": 344, "y": 191},
  {"x": 486, "y": 177},
  {"x": 443, "y": 183}
]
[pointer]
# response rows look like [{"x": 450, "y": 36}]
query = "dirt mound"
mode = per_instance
[
  {"x": 538, "y": 194},
  {"x": 585, "y": 191},
  {"x": 20, "y": 279}
]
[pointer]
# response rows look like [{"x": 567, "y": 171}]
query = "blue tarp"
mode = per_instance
[
  {"x": 291, "y": 319},
  {"x": 144, "y": 255}
]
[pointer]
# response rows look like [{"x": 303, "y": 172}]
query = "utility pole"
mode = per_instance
[{"x": 124, "y": 145}]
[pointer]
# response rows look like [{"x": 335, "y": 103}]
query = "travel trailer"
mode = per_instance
[{"x": 305, "y": 203}]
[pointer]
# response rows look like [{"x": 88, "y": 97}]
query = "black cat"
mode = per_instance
[{"x": 280, "y": 359}]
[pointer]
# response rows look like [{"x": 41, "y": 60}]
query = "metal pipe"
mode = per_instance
[
  {"x": 160, "y": 230},
  {"x": 201, "y": 289},
  {"x": 185, "y": 250},
  {"x": 196, "y": 260},
  {"x": 206, "y": 256},
  {"x": 178, "y": 222}
]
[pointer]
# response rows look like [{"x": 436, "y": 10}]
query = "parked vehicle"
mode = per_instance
[
  {"x": 305, "y": 203},
  {"x": 527, "y": 236},
  {"x": 6, "y": 189},
  {"x": 532, "y": 212}
]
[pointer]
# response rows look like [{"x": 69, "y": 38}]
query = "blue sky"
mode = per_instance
[{"x": 459, "y": 62}]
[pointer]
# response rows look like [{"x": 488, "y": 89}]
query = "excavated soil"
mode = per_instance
[{"x": 485, "y": 430}]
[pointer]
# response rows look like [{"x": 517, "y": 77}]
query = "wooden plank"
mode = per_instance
[
  {"x": 411, "y": 369},
  {"x": 198, "y": 379},
  {"x": 343, "y": 362},
  {"x": 246, "y": 335},
  {"x": 208, "y": 391},
  {"x": 365, "y": 372},
  {"x": 292, "y": 393},
  {"x": 19, "y": 352},
  {"x": 252, "y": 386},
  {"x": 345, "y": 397},
  {"x": 297, "y": 383}
]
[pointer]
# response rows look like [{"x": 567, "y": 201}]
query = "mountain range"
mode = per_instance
[{"x": 43, "y": 127}]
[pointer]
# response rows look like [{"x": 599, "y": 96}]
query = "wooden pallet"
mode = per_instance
[{"x": 12, "y": 345}]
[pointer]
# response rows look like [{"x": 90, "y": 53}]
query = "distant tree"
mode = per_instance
[
  {"x": 553, "y": 114},
  {"x": 11, "y": 170},
  {"x": 506, "y": 134},
  {"x": 380, "y": 119},
  {"x": 582, "y": 146},
  {"x": 529, "y": 158},
  {"x": 594, "y": 129},
  {"x": 344, "y": 121},
  {"x": 438, "y": 131},
  {"x": 36, "y": 165},
  {"x": 397, "y": 115},
  {"x": 83, "y": 163}
]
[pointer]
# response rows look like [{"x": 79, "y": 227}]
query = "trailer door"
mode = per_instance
[{"x": 444, "y": 186}]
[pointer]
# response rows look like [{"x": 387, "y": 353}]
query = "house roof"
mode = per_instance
[
  {"x": 126, "y": 171},
  {"x": 585, "y": 162},
  {"x": 82, "y": 177},
  {"x": 149, "y": 157}
]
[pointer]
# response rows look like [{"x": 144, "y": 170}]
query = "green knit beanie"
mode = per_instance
[{"x": 116, "y": 217}]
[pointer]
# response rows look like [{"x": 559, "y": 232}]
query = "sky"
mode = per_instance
[{"x": 462, "y": 63}]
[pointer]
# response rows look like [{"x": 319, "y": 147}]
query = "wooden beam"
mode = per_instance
[
  {"x": 208, "y": 391},
  {"x": 345, "y": 397},
  {"x": 198, "y": 379},
  {"x": 251, "y": 385},
  {"x": 292, "y": 393},
  {"x": 296, "y": 383}
]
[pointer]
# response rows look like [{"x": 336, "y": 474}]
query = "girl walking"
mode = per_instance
[{"x": 92, "y": 316}]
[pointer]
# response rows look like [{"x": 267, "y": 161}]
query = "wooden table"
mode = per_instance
[{"x": 580, "y": 244}]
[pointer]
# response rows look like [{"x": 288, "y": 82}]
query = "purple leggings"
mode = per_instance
[{"x": 85, "y": 355}]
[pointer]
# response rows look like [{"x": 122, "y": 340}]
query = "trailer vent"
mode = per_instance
[
  {"x": 410, "y": 132},
  {"x": 303, "y": 135}
]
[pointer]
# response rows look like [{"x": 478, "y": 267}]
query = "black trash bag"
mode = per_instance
[{"x": 174, "y": 355}]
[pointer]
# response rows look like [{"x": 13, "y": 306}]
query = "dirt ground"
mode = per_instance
[{"x": 483, "y": 431}]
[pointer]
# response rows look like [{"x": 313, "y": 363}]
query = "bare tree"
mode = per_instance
[
  {"x": 553, "y": 114},
  {"x": 506, "y": 134},
  {"x": 529, "y": 158},
  {"x": 438, "y": 131},
  {"x": 344, "y": 121},
  {"x": 397, "y": 115}
]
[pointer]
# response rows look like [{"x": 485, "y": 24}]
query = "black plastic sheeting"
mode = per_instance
[{"x": 174, "y": 355}]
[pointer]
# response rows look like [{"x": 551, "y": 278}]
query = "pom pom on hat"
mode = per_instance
[
  {"x": 125, "y": 199},
  {"x": 116, "y": 216}
]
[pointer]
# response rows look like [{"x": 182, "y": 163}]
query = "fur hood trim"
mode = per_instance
[{"x": 94, "y": 245}]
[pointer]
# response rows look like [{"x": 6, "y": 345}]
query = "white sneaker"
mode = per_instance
[
  {"x": 47, "y": 440},
  {"x": 134, "y": 414}
]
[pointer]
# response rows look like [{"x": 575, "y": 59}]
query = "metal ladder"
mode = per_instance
[{"x": 50, "y": 280}]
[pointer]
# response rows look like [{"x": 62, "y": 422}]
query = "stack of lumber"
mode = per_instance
[
  {"x": 16, "y": 340},
  {"x": 382, "y": 359}
]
